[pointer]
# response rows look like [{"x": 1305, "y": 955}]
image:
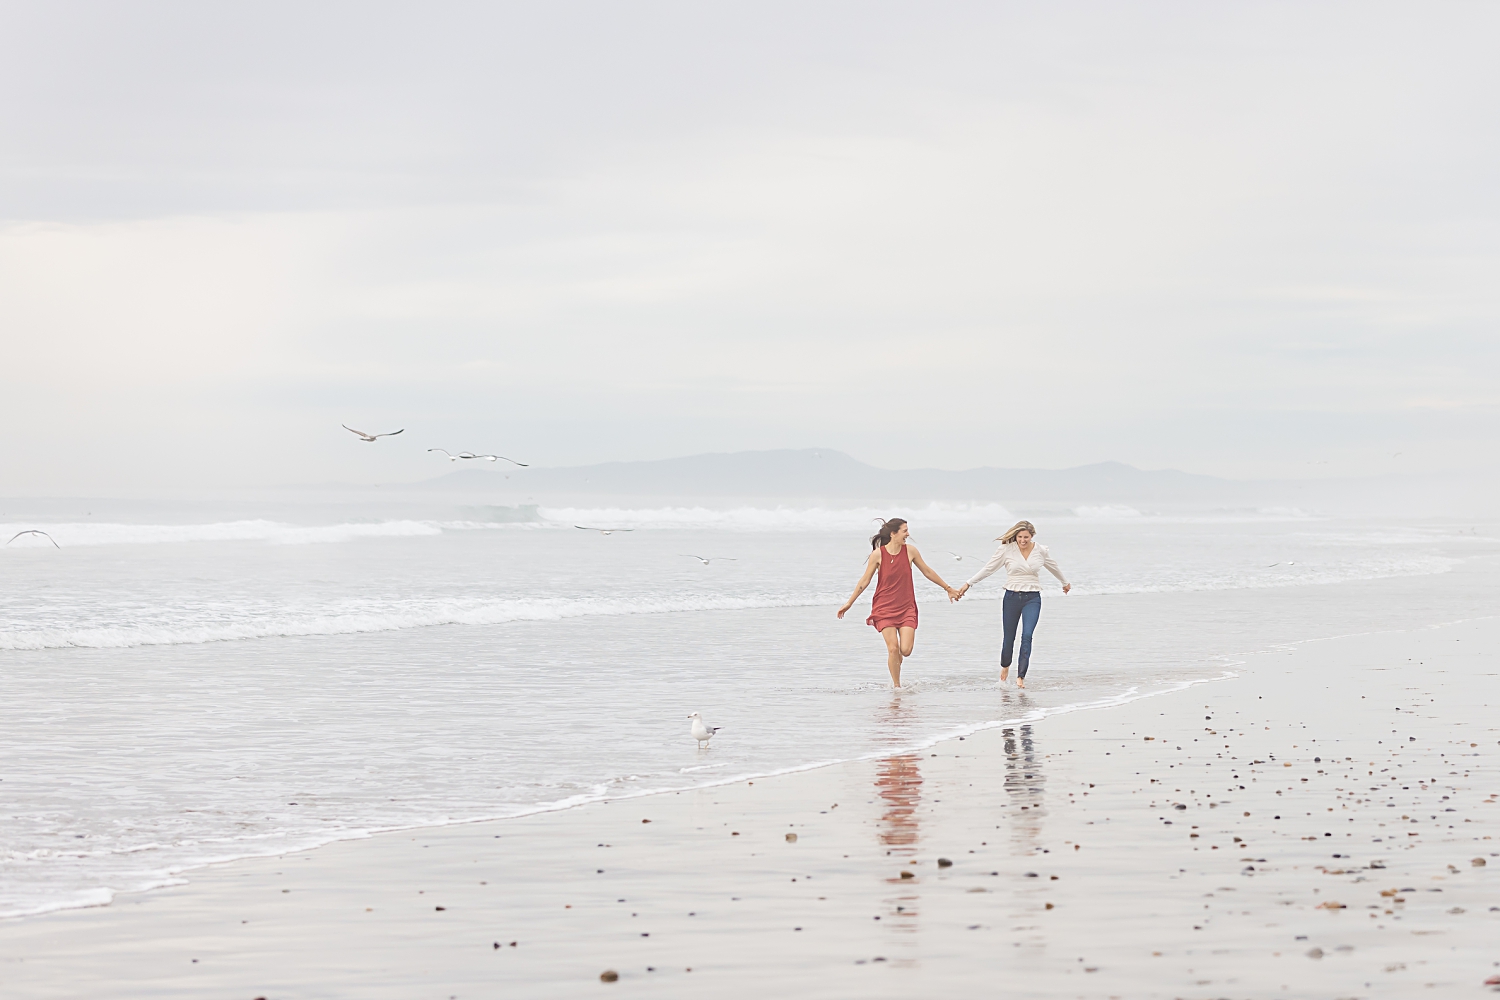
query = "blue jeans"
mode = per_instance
[{"x": 1024, "y": 608}]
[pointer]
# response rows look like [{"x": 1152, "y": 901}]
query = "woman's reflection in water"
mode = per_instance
[
  {"x": 1025, "y": 784},
  {"x": 898, "y": 782}
]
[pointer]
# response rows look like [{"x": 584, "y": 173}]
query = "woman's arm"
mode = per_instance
[
  {"x": 927, "y": 571},
  {"x": 996, "y": 561},
  {"x": 1051, "y": 565},
  {"x": 871, "y": 565}
]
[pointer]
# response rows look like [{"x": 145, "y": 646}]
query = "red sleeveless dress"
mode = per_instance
[{"x": 895, "y": 602}]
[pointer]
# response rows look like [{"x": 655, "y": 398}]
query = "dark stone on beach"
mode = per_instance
[
  {"x": 791, "y": 838},
  {"x": 907, "y": 875},
  {"x": 944, "y": 863},
  {"x": 1479, "y": 862},
  {"x": 645, "y": 821},
  {"x": 1179, "y": 806},
  {"x": 609, "y": 976},
  {"x": 439, "y": 908}
]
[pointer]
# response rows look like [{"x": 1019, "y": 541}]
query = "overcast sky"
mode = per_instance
[{"x": 1252, "y": 240}]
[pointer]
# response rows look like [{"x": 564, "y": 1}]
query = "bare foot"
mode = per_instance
[
  {"x": 1021, "y": 683},
  {"x": 1004, "y": 674}
]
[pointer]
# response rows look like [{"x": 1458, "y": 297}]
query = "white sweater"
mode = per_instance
[{"x": 1022, "y": 574}]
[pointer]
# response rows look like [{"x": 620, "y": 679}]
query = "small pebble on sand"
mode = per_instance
[
  {"x": 791, "y": 838},
  {"x": 944, "y": 863},
  {"x": 609, "y": 976}
]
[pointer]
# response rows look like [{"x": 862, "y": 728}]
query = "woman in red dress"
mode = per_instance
[{"x": 893, "y": 612}]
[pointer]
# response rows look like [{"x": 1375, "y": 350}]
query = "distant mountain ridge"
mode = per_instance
[{"x": 822, "y": 473}]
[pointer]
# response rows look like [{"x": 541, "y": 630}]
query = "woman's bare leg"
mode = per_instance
[
  {"x": 908, "y": 640},
  {"x": 893, "y": 656}
]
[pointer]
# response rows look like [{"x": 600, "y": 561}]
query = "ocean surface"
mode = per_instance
[{"x": 187, "y": 684}]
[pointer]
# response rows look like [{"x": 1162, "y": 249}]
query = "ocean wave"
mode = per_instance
[
  {"x": 86, "y": 533},
  {"x": 1106, "y": 512},
  {"x": 382, "y": 617},
  {"x": 785, "y": 518},
  {"x": 394, "y": 615}
]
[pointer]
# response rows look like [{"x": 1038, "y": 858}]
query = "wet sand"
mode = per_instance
[{"x": 1323, "y": 824}]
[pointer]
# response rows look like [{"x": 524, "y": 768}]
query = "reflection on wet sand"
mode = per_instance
[
  {"x": 898, "y": 782},
  {"x": 1026, "y": 786}
]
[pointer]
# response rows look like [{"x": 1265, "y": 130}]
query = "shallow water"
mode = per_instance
[{"x": 182, "y": 691}]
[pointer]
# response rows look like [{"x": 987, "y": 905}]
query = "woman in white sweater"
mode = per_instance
[{"x": 1023, "y": 560}]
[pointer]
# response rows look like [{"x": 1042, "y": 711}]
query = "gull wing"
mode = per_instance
[{"x": 34, "y": 531}]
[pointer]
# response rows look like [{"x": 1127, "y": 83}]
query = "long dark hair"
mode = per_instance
[{"x": 883, "y": 536}]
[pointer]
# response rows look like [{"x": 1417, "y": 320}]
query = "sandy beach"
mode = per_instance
[{"x": 1319, "y": 822}]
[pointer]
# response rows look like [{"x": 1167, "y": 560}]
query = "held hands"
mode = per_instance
[
  {"x": 954, "y": 595},
  {"x": 1067, "y": 587}
]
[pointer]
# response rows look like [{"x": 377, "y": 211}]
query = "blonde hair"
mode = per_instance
[{"x": 1015, "y": 530}]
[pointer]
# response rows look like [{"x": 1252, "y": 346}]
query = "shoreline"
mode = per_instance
[
  {"x": 173, "y": 877},
  {"x": 306, "y": 918}
]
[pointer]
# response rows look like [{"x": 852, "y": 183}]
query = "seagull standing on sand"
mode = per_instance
[
  {"x": 705, "y": 560},
  {"x": 370, "y": 437},
  {"x": 702, "y": 733},
  {"x": 35, "y": 531},
  {"x": 470, "y": 454}
]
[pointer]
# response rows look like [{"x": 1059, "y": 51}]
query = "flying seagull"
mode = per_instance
[
  {"x": 602, "y": 531},
  {"x": 702, "y": 733},
  {"x": 370, "y": 437},
  {"x": 34, "y": 531},
  {"x": 955, "y": 555},
  {"x": 470, "y": 454},
  {"x": 705, "y": 560}
]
